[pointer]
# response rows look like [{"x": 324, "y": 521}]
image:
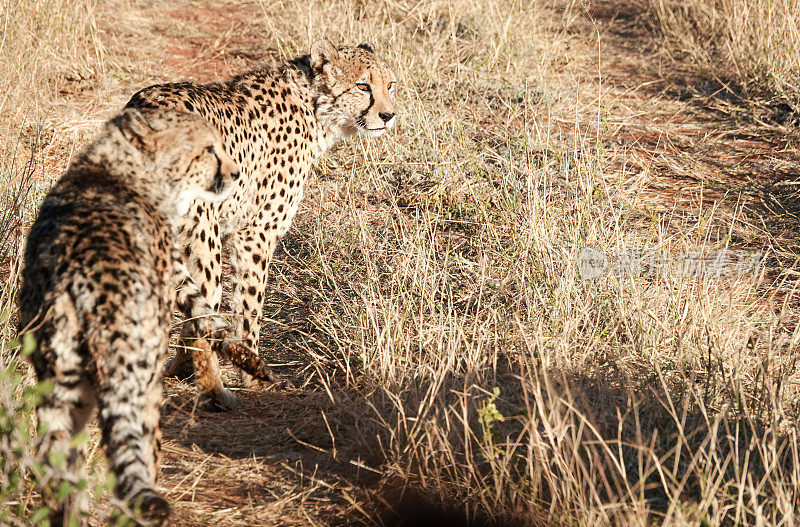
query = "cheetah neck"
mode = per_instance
[
  {"x": 328, "y": 127},
  {"x": 120, "y": 163},
  {"x": 115, "y": 156}
]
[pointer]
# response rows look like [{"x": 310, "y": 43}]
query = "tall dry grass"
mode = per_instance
[
  {"x": 43, "y": 44},
  {"x": 449, "y": 317},
  {"x": 752, "y": 43},
  {"x": 499, "y": 380},
  {"x": 443, "y": 311}
]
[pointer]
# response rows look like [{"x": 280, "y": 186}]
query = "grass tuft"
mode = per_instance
[{"x": 749, "y": 46}]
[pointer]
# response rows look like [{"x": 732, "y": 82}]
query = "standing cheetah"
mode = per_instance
[
  {"x": 99, "y": 285},
  {"x": 274, "y": 122}
]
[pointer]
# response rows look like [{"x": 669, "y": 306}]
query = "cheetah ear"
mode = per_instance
[
  {"x": 367, "y": 46},
  {"x": 142, "y": 128},
  {"x": 137, "y": 129},
  {"x": 322, "y": 52}
]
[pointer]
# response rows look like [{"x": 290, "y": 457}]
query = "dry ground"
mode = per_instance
[{"x": 432, "y": 266}]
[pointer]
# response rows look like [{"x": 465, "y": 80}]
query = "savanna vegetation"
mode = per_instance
[{"x": 562, "y": 293}]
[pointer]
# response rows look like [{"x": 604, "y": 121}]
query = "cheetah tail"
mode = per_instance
[{"x": 248, "y": 361}]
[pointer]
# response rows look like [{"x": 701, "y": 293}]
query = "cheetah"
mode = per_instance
[
  {"x": 275, "y": 122},
  {"x": 100, "y": 279}
]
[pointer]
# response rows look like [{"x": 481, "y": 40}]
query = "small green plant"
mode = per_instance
[
  {"x": 29, "y": 484},
  {"x": 488, "y": 414},
  {"x": 21, "y": 467}
]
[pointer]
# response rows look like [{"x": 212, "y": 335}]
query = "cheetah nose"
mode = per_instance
[{"x": 386, "y": 116}]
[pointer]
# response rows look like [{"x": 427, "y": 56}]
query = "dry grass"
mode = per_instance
[
  {"x": 428, "y": 299},
  {"x": 753, "y": 45},
  {"x": 44, "y": 45}
]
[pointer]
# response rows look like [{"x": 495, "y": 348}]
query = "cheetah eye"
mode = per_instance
[
  {"x": 363, "y": 87},
  {"x": 391, "y": 86},
  {"x": 206, "y": 150}
]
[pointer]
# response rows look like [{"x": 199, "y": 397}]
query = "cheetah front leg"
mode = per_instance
[
  {"x": 201, "y": 256},
  {"x": 203, "y": 321},
  {"x": 251, "y": 252},
  {"x": 200, "y": 263}
]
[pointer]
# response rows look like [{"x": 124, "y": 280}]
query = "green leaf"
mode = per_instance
[
  {"x": 40, "y": 515},
  {"x": 79, "y": 439},
  {"x": 57, "y": 459},
  {"x": 64, "y": 490},
  {"x": 28, "y": 344},
  {"x": 38, "y": 470},
  {"x": 45, "y": 387},
  {"x": 24, "y": 433},
  {"x": 42, "y": 428},
  {"x": 13, "y": 481}
]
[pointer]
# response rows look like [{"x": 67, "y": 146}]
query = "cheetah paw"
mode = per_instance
[
  {"x": 223, "y": 401},
  {"x": 274, "y": 383},
  {"x": 154, "y": 509}
]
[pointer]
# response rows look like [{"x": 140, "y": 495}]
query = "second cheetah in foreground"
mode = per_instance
[
  {"x": 99, "y": 285},
  {"x": 275, "y": 122}
]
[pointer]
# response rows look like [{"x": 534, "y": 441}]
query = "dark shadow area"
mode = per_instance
[
  {"x": 314, "y": 435},
  {"x": 403, "y": 506},
  {"x": 699, "y": 410}
]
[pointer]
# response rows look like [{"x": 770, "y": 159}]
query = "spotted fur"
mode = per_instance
[
  {"x": 274, "y": 122},
  {"x": 100, "y": 280}
]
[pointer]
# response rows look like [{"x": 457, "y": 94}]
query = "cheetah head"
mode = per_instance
[
  {"x": 355, "y": 89},
  {"x": 183, "y": 157}
]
